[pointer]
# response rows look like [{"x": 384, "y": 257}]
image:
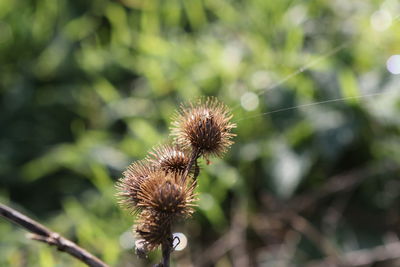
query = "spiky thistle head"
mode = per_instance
[
  {"x": 154, "y": 228},
  {"x": 167, "y": 193},
  {"x": 129, "y": 186},
  {"x": 169, "y": 158},
  {"x": 204, "y": 126},
  {"x": 163, "y": 198},
  {"x": 161, "y": 188}
]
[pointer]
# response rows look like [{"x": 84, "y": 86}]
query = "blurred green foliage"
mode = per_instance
[{"x": 86, "y": 87}]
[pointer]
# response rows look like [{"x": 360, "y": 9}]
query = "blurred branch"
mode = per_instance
[
  {"x": 334, "y": 213},
  {"x": 219, "y": 248},
  {"x": 240, "y": 255},
  {"x": 45, "y": 235},
  {"x": 304, "y": 227},
  {"x": 278, "y": 211},
  {"x": 340, "y": 183},
  {"x": 365, "y": 257},
  {"x": 232, "y": 240},
  {"x": 301, "y": 225}
]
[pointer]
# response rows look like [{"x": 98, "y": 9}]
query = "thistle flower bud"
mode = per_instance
[
  {"x": 129, "y": 186},
  {"x": 154, "y": 228},
  {"x": 171, "y": 159},
  {"x": 168, "y": 194},
  {"x": 204, "y": 126}
]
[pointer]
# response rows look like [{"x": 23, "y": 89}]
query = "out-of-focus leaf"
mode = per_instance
[{"x": 349, "y": 86}]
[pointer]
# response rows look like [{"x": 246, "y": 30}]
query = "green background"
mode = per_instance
[{"x": 87, "y": 87}]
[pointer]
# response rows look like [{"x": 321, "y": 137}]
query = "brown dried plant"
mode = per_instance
[
  {"x": 169, "y": 158},
  {"x": 204, "y": 126},
  {"x": 161, "y": 188},
  {"x": 129, "y": 186},
  {"x": 167, "y": 193}
]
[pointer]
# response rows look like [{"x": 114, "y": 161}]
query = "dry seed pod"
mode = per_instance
[
  {"x": 154, "y": 228},
  {"x": 129, "y": 186},
  {"x": 161, "y": 188},
  {"x": 171, "y": 159},
  {"x": 204, "y": 126},
  {"x": 167, "y": 193}
]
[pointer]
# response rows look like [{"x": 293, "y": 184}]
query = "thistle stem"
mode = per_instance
[
  {"x": 166, "y": 252},
  {"x": 193, "y": 161},
  {"x": 167, "y": 245}
]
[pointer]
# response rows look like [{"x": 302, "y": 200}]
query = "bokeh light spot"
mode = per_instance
[
  {"x": 126, "y": 240},
  {"x": 181, "y": 243},
  {"x": 249, "y": 101},
  {"x": 393, "y": 64},
  {"x": 260, "y": 79},
  {"x": 206, "y": 201},
  {"x": 381, "y": 20}
]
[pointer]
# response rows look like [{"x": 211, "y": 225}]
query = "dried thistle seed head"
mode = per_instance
[
  {"x": 169, "y": 158},
  {"x": 167, "y": 193},
  {"x": 129, "y": 186},
  {"x": 154, "y": 228},
  {"x": 204, "y": 126}
]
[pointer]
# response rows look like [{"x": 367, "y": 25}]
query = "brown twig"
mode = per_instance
[
  {"x": 303, "y": 226},
  {"x": 298, "y": 223},
  {"x": 339, "y": 184},
  {"x": 364, "y": 257},
  {"x": 234, "y": 238},
  {"x": 45, "y": 235},
  {"x": 240, "y": 255}
]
